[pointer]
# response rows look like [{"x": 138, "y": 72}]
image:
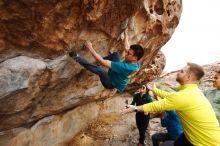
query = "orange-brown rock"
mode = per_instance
[{"x": 38, "y": 79}]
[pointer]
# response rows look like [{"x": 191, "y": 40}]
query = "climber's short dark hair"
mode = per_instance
[{"x": 138, "y": 51}]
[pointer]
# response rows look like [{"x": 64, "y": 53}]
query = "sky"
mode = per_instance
[{"x": 197, "y": 37}]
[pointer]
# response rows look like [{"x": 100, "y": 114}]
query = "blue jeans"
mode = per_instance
[{"x": 103, "y": 74}]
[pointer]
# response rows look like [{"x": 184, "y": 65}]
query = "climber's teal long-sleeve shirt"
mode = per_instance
[
  {"x": 197, "y": 116},
  {"x": 120, "y": 72}
]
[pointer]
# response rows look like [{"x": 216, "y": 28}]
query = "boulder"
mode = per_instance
[{"x": 39, "y": 79}]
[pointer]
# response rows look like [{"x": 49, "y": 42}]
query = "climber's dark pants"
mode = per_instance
[
  {"x": 182, "y": 141},
  {"x": 142, "y": 122},
  {"x": 103, "y": 74}
]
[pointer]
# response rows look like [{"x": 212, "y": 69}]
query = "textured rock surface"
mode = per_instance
[
  {"x": 109, "y": 129},
  {"x": 38, "y": 79},
  {"x": 59, "y": 129},
  {"x": 79, "y": 127},
  {"x": 210, "y": 71}
]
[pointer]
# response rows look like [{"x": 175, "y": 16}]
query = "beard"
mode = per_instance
[{"x": 179, "y": 79}]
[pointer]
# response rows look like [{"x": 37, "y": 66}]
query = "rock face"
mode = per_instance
[
  {"x": 210, "y": 71},
  {"x": 48, "y": 29},
  {"x": 57, "y": 130},
  {"x": 38, "y": 79}
]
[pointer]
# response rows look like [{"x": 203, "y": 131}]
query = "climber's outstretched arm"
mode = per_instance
[
  {"x": 98, "y": 58},
  {"x": 126, "y": 43}
]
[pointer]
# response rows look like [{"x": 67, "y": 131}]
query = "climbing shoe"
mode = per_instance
[{"x": 73, "y": 54}]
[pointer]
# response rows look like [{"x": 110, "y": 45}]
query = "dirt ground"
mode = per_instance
[{"x": 114, "y": 130}]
